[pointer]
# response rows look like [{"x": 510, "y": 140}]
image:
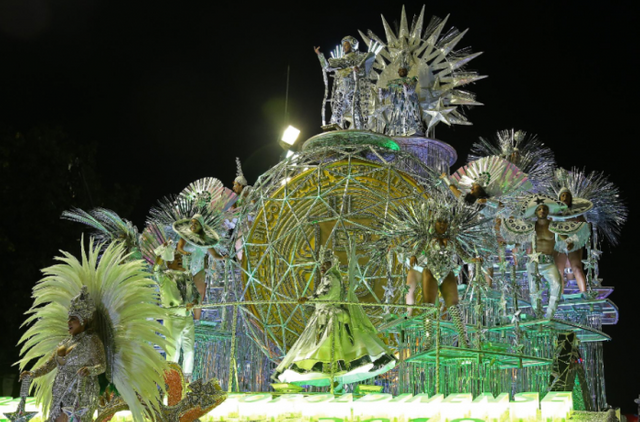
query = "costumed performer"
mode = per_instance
[
  {"x": 401, "y": 100},
  {"x": 336, "y": 336},
  {"x": 349, "y": 100},
  {"x": 523, "y": 150},
  {"x": 178, "y": 294},
  {"x": 541, "y": 235},
  {"x": 119, "y": 299},
  {"x": 485, "y": 180},
  {"x": 441, "y": 233},
  {"x": 79, "y": 359}
]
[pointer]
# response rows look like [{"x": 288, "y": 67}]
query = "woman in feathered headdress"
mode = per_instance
[
  {"x": 438, "y": 233},
  {"x": 590, "y": 199},
  {"x": 120, "y": 301},
  {"x": 336, "y": 335}
]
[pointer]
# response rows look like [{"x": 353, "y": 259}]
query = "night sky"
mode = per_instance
[{"x": 173, "y": 91}]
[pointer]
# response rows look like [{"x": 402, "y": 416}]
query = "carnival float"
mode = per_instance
[{"x": 359, "y": 278}]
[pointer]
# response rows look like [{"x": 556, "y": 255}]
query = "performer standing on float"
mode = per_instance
[
  {"x": 525, "y": 151},
  {"x": 178, "y": 294},
  {"x": 592, "y": 200},
  {"x": 336, "y": 336},
  {"x": 351, "y": 85},
  {"x": 542, "y": 237},
  {"x": 441, "y": 233}
]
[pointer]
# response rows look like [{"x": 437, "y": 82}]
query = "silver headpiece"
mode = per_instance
[
  {"x": 82, "y": 306},
  {"x": 240, "y": 179},
  {"x": 351, "y": 40},
  {"x": 563, "y": 190}
]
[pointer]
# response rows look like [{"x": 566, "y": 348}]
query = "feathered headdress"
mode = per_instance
[
  {"x": 525, "y": 151},
  {"x": 609, "y": 211},
  {"x": 497, "y": 176},
  {"x": 109, "y": 227},
  {"x": 127, "y": 311},
  {"x": 240, "y": 179},
  {"x": 415, "y": 225},
  {"x": 82, "y": 306}
]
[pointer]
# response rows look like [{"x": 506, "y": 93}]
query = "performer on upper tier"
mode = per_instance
[
  {"x": 402, "y": 105},
  {"x": 542, "y": 254},
  {"x": 178, "y": 294},
  {"x": 441, "y": 233},
  {"x": 335, "y": 334},
  {"x": 486, "y": 180},
  {"x": 570, "y": 246},
  {"x": 351, "y": 87}
]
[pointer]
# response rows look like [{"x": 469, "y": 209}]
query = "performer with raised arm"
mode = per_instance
[
  {"x": 351, "y": 85},
  {"x": 336, "y": 335},
  {"x": 523, "y": 150}
]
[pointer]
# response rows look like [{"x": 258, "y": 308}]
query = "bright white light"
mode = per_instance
[
  {"x": 290, "y": 135},
  {"x": 289, "y": 153}
]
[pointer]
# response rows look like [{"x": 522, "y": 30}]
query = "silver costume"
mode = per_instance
[
  {"x": 71, "y": 390},
  {"x": 401, "y": 107},
  {"x": 351, "y": 86},
  {"x": 546, "y": 267},
  {"x": 441, "y": 260}
]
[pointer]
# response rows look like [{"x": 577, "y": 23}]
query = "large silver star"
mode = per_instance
[
  {"x": 20, "y": 415},
  {"x": 439, "y": 114}
]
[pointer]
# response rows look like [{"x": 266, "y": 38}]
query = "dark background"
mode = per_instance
[{"x": 118, "y": 103}]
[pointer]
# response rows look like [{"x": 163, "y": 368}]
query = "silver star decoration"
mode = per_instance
[
  {"x": 595, "y": 253},
  {"x": 589, "y": 264},
  {"x": 20, "y": 415},
  {"x": 534, "y": 257},
  {"x": 389, "y": 292},
  {"x": 439, "y": 114},
  {"x": 74, "y": 414}
]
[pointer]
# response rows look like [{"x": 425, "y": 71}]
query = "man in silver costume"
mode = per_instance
[
  {"x": 351, "y": 87},
  {"x": 80, "y": 358},
  {"x": 542, "y": 255}
]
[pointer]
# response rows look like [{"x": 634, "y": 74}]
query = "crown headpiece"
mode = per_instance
[
  {"x": 351, "y": 40},
  {"x": 82, "y": 306},
  {"x": 240, "y": 179}
]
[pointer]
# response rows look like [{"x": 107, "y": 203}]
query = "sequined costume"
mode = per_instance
[
  {"x": 351, "y": 87},
  {"x": 69, "y": 388},
  {"x": 521, "y": 231},
  {"x": 441, "y": 259},
  {"x": 358, "y": 353},
  {"x": 402, "y": 105}
]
